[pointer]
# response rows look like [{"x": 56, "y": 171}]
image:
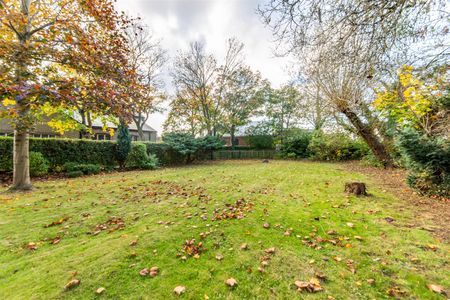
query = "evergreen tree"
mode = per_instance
[{"x": 123, "y": 144}]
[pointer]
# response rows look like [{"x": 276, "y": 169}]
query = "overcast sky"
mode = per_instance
[{"x": 179, "y": 22}]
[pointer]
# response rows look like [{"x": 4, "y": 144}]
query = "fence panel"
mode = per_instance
[{"x": 243, "y": 154}]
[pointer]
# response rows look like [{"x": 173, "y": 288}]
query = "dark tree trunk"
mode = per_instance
[
  {"x": 21, "y": 175},
  {"x": 232, "y": 131},
  {"x": 378, "y": 149}
]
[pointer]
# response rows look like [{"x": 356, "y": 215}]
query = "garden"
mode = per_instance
[{"x": 222, "y": 230}]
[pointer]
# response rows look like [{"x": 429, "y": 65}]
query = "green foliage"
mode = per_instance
[
  {"x": 295, "y": 145},
  {"x": 190, "y": 147},
  {"x": 6, "y": 157},
  {"x": 123, "y": 144},
  {"x": 139, "y": 159},
  {"x": 39, "y": 165},
  {"x": 428, "y": 159},
  {"x": 86, "y": 169},
  {"x": 260, "y": 141},
  {"x": 60, "y": 151},
  {"x": 335, "y": 147}
]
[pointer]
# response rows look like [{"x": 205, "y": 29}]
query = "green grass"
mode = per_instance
[{"x": 307, "y": 197}]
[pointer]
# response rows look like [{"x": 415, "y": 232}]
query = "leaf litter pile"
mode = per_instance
[{"x": 191, "y": 206}]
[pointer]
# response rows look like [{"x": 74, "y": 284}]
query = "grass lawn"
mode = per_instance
[{"x": 121, "y": 223}]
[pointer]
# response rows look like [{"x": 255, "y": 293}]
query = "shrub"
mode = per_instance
[
  {"x": 38, "y": 164},
  {"x": 166, "y": 155},
  {"x": 192, "y": 148},
  {"x": 123, "y": 144},
  {"x": 428, "y": 159},
  {"x": 296, "y": 145},
  {"x": 139, "y": 159},
  {"x": 60, "y": 151},
  {"x": 336, "y": 147},
  {"x": 260, "y": 141},
  {"x": 87, "y": 169}
]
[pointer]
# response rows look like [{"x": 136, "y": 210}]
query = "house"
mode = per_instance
[
  {"x": 239, "y": 137},
  {"x": 42, "y": 130}
]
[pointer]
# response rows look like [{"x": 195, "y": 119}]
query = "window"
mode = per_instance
[
  {"x": 102, "y": 137},
  {"x": 44, "y": 135},
  {"x": 236, "y": 141},
  {"x": 135, "y": 138}
]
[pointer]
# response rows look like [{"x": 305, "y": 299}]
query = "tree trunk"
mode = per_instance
[
  {"x": 378, "y": 149},
  {"x": 232, "y": 130},
  {"x": 21, "y": 175}
]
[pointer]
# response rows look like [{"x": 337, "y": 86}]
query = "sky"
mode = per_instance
[{"x": 179, "y": 22}]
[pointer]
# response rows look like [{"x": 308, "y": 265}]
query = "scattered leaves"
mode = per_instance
[{"x": 311, "y": 286}]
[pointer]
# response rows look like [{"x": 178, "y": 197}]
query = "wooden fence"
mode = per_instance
[{"x": 243, "y": 154}]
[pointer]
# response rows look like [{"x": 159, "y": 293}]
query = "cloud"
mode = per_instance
[{"x": 179, "y": 22}]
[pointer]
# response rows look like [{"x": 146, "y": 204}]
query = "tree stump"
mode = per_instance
[{"x": 356, "y": 188}]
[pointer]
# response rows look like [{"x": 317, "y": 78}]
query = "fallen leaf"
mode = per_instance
[
  {"x": 133, "y": 243},
  {"x": 144, "y": 272},
  {"x": 244, "y": 246},
  {"x": 31, "y": 246},
  {"x": 219, "y": 257},
  {"x": 154, "y": 271},
  {"x": 231, "y": 282},
  {"x": 100, "y": 290},
  {"x": 436, "y": 288},
  {"x": 351, "y": 225},
  {"x": 179, "y": 290},
  {"x": 72, "y": 283},
  {"x": 371, "y": 281},
  {"x": 59, "y": 222},
  {"x": 266, "y": 225},
  {"x": 270, "y": 250}
]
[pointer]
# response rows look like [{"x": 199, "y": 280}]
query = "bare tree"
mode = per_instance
[
  {"x": 147, "y": 58},
  {"x": 194, "y": 76}
]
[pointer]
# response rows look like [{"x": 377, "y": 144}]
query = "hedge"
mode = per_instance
[{"x": 60, "y": 151}]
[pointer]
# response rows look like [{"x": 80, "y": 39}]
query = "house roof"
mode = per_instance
[
  {"x": 241, "y": 130},
  {"x": 99, "y": 123}
]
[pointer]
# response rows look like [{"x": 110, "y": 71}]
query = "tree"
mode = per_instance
[
  {"x": 204, "y": 88},
  {"x": 194, "y": 76},
  {"x": 123, "y": 144},
  {"x": 147, "y": 59},
  {"x": 38, "y": 38},
  {"x": 281, "y": 109},
  {"x": 242, "y": 97}
]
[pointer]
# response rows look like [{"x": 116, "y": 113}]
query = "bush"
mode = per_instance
[
  {"x": 296, "y": 145},
  {"x": 87, "y": 169},
  {"x": 139, "y": 159},
  {"x": 336, "y": 147},
  {"x": 123, "y": 144},
  {"x": 38, "y": 164},
  {"x": 60, "y": 151},
  {"x": 191, "y": 148},
  {"x": 260, "y": 141},
  {"x": 428, "y": 159}
]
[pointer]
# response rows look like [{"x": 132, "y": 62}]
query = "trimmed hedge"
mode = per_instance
[{"x": 60, "y": 151}]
